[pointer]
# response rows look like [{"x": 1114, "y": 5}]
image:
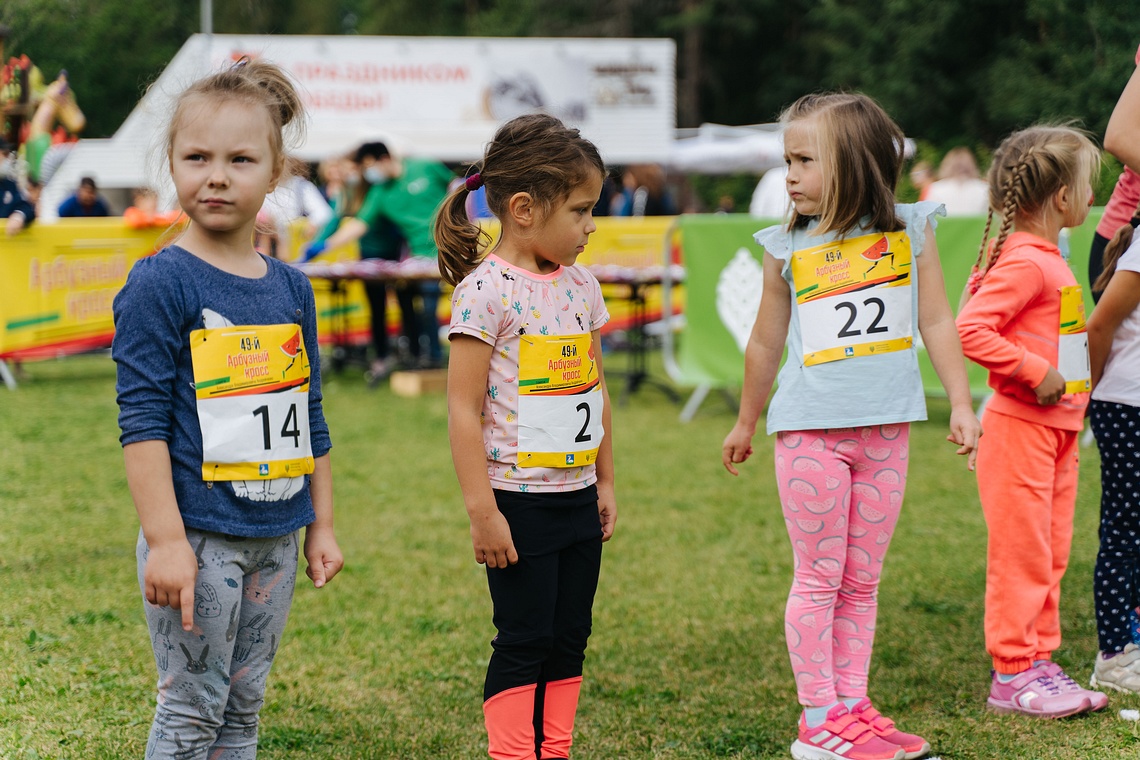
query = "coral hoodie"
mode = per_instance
[{"x": 1012, "y": 328}]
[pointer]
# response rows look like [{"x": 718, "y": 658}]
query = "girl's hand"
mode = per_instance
[
  {"x": 607, "y": 511},
  {"x": 169, "y": 576},
  {"x": 965, "y": 430},
  {"x": 737, "y": 447},
  {"x": 491, "y": 539},
  {"x": 323, "y": 555},
  {"x": 1051, "y": 389}
]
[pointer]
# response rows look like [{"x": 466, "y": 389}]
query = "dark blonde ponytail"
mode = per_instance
[
  {"x": 534, "y": 154},
  {"x": 460, "y": 241}
]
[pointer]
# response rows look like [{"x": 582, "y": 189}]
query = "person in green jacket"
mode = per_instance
[{"x": 406, "y": 193}]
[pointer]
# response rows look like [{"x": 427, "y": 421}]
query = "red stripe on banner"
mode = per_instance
[{"x": 61, "y": 348}]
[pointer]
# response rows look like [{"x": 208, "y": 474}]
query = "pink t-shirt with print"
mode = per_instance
[{"x": 497, "y": 303}]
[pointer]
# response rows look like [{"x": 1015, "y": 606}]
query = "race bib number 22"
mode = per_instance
[{"x": 854, "y": 297}]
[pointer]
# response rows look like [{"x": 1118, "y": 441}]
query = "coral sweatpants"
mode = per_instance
[
  {"x": 1027, "y": 481},
  {"x": 841, "y": 491}
]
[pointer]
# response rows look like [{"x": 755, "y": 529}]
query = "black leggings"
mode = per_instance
[
  {"x": 378, "y": 310},
  {"x": 1117, "y": 429},
  {"x": 543, "y": 604}
]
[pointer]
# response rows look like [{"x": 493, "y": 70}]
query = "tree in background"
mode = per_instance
[{"x": 954, "y": 72}]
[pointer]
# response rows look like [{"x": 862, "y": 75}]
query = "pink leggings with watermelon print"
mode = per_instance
[{"x": 841, "y": 490}]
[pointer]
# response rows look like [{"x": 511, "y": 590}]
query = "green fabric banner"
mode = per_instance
[{"x": 723, "y": 281}]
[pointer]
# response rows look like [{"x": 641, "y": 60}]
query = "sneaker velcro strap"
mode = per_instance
[{"x": 852, "y": 729}]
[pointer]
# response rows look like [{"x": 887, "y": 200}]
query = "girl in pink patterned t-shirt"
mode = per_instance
[{"x": 529, "y": 421}]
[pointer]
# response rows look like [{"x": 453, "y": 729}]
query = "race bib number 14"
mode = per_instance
[
  {"x": 854, "y": 297},
  {"x": 560, "y": 401},
  {"x": 252, "y": 388}
]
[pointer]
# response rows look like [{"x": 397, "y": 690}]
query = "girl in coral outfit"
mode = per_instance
[
  {"x": 1025, "y": 323},
  {"x": 529, "y": 421},
  {"x": 846, "y": 282}
]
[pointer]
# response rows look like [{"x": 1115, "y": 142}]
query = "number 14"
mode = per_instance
[{"x": 288, "y": 430}]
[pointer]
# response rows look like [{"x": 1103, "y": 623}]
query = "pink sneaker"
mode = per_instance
[
  {"x": 842, "y": 737},
  {"x": 1097, "y": 700},
  {"x": 1034, "y": 693},
  {"x": 884, "y": 728}
]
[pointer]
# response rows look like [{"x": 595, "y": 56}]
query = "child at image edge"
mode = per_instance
[
  {"x": 225, "y": 444},
  {"x": 529, "y": 421},
  {"x": 1114, "y": 353},
  {"x": 846, "y": 283},
  {"x": 1025, "y": 324}
]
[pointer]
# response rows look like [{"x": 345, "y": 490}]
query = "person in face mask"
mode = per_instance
[
  {"x": 405, "y": 192},
  {"x": 379, "y": 238},
  {"x": 15, "y": 208}
]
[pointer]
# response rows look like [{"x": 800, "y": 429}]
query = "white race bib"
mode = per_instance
[
  {"x": 1073, "y": 342},
  {"x": 560, "y": 401},
  {"x": 252, "y": 389},
  {"x": 854, "y": 297}
]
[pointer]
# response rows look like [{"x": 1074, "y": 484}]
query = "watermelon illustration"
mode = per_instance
[
  {"x": 825, "y": 545},
  {"x": 877, "y": 251},
  {"x": 820, "y": 507},
  {"x": 889, "y": 476},
  {"x": 869, "y": 513},
  {"x": 806, "y": 464},
  {"x": 802, "y": 486},
  {"x": 827, "y": 565},
  {"x": 877, "y": 454},
  {"x": 809, "y": 526},
  {"x": 292, "y": 347}
]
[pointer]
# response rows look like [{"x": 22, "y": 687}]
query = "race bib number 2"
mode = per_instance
[
  {"x": 854, "y": 297},
  {"x": 252, "y": 390},
  {"x": 560, "y": 401}
]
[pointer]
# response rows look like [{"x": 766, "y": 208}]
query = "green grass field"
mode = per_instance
[{"x": 687, "y": 659}]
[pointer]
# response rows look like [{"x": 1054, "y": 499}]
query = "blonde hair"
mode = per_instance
[
  {"x": 535, "y": 154},
  {"x": 958, "y": 162},
  {"x": 254, "y": 83},
  {"x": 1030, "y": 167},
  {"x": 861, "y": 152}
]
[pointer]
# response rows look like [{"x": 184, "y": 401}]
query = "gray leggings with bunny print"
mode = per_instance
[{"x": 211, "y": 679}]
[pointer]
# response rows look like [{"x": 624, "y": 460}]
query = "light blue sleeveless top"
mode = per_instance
[{"x": 861, "y": 390}]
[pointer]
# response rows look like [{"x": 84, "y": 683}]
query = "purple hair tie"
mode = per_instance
[{"x": 473, "y": 183}]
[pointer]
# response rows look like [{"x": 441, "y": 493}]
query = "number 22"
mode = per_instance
[{"x": 875, "y": 327}]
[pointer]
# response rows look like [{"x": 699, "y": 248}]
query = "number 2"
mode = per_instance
[{"x": 582, "y": 436}]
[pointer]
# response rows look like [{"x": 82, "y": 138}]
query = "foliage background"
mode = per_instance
[{"x": 959, "y": 72}]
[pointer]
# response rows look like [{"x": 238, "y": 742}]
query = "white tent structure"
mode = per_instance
[
  {"x": 721, "y": 149},
  {"x": 430, "y": 96}
]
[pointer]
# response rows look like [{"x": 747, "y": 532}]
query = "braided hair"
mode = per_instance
[{"x": 1029, "y": 168}]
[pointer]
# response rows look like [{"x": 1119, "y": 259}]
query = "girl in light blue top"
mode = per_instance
[{"x": 846, "y": 282}]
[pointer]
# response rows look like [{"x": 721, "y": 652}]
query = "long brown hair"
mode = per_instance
[
  {"x": 861, "y": 151},
  {"x": 1113, "y": 250},
  {"x": 535, "y": 154}
]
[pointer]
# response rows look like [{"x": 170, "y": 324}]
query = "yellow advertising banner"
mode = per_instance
[{"x": 57, "y": 282}]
